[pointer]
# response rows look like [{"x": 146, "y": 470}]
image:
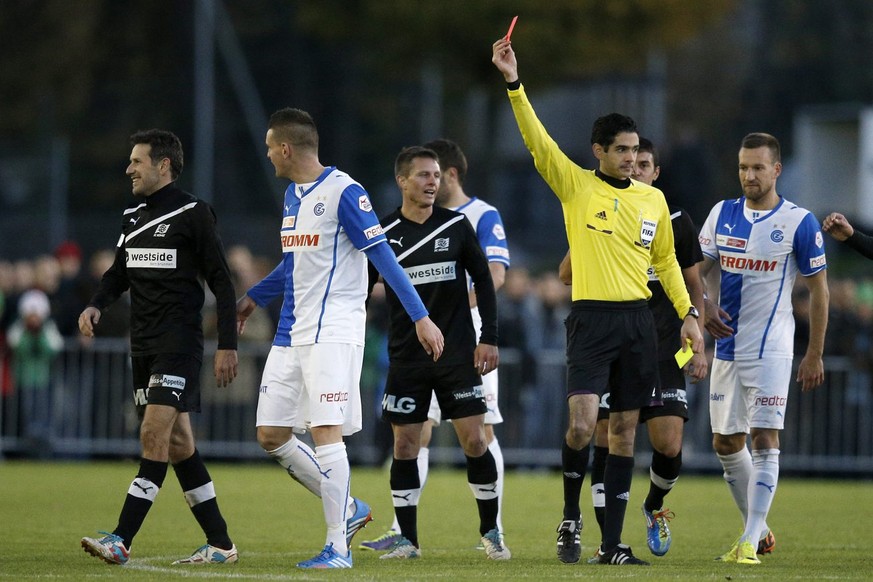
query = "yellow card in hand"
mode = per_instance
[{"x": 683, "y": 357}]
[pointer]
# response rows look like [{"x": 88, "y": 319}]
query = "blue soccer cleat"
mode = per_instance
[
  {"x": 384, "y": 542},
  {"x": 358, "y": 520},
  {"x": 658, "y": 536},
  {"x": 110, "y": 548},
  {"x": 328, "y": 558}
]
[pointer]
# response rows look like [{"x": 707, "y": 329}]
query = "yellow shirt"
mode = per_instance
[{"x": 615, "y": 234}]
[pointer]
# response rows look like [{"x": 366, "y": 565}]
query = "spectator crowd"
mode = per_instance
[{"x": 41, "y": 297}]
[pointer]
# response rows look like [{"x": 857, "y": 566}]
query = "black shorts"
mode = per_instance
[
  {"x": 408, "y": 390},
  {"x": 673, "y": 401},
  {"x": 613, "y": 344},
  {"x": 672, "y": 393},
  {"x": 171, "y": 379}
]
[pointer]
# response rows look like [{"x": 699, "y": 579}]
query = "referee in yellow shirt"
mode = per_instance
[{"x": 616, "y": 228}]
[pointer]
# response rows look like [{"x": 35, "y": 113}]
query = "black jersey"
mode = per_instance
[
  {"x": 688, "y": 254},
  {"x": 863, "y": 243},
  {"x": 168, "y": 247},
  {"x": 436, "y": 255}
]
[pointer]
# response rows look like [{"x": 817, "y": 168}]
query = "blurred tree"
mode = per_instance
[
  {"x": 752, "y": 71},
  {"x": 397, "y": 35},
  {"x": 395, "y": 40},
  {"x": 96, "y": 70},
  {"x": 47, "y": 55}
]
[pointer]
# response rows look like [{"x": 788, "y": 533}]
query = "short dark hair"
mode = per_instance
[
  {"x": 403, "y": 163},
  {"x": 754, "y": 141},
  {"x": 164, "y": 144},
  {"x": 606, "y": 127},
  {"x": 296, "y": 127},
  {"x": 450, "y": 156},
  {"x": 646, "y": 145}
]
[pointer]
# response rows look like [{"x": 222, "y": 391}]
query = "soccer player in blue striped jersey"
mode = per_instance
[
  {"x": 312, "y": 374},
  {"x": 754, "y": 247}
]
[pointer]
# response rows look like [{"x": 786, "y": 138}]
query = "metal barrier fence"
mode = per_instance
[{"x": 87, "y": 412}]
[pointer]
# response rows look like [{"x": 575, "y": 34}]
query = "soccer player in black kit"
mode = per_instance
[
  {"x": 168, "y": 244},
  {"x": 437, "y": 247}
]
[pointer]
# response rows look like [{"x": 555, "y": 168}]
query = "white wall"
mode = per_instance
[{"x": 828, "y": 149}]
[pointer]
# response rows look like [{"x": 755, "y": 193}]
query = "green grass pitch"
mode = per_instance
[{"x": 45, "y": 508}]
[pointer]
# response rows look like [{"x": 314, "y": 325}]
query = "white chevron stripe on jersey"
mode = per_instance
[
  {"x": 429, "y": 237},
  {"x": 159, "y": 219}
]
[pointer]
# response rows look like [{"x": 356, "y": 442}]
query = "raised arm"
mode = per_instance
[
  {"x": 504, "y": 59},
  {"x": 558, "y": 170}
]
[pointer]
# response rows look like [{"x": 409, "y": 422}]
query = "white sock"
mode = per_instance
[
  {"x": 423, "y": 465},
  {"x": 762, "y": 489},
  {"x": 423, "y": 461},
  {"x": 335, "y": 484},
  {"x": 737, "y": 473},
  {"x": 737, "y": 470},
  {"x": 494, "y": 447},
  {"x": 299, "y": 461}
]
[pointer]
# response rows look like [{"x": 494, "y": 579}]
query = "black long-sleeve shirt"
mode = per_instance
[
  {"x": 688, "y": 254},
  {"x": 436, "y": 256},
  {"x": 863, "y": 243},
  {"x": 168, "y": 246}
]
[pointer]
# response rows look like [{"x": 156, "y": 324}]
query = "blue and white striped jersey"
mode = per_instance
[
  {"x": 760, "y": 254},
  {"x": 323, "y": 273},
  {"x": 488, "y": 225}
]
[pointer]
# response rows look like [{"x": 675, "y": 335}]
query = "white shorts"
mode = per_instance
[
  {"x": 314, "y": 385},
  {"x": 489, "y": 388},
  {"x": 748, "y": 394}
]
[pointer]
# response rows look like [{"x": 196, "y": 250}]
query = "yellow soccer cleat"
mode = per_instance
[
  {"x": 731, "y": 555},
  {"x": 746, "y": 554}
]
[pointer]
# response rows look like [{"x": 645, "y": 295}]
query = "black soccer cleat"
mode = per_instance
[
  {"x": 569, "y": 548},
  {"x": 621, "y": 555}
]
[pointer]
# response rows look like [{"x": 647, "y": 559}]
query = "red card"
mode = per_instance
[{"x": 511, "y": 26}]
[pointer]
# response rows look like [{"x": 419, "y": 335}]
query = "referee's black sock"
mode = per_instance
[
  {"x": 200, "y": 495},
  {"x": 140, "y": 496},
  {"x": 616, "y": 485},
  {"x": 574, "y": 465}
]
